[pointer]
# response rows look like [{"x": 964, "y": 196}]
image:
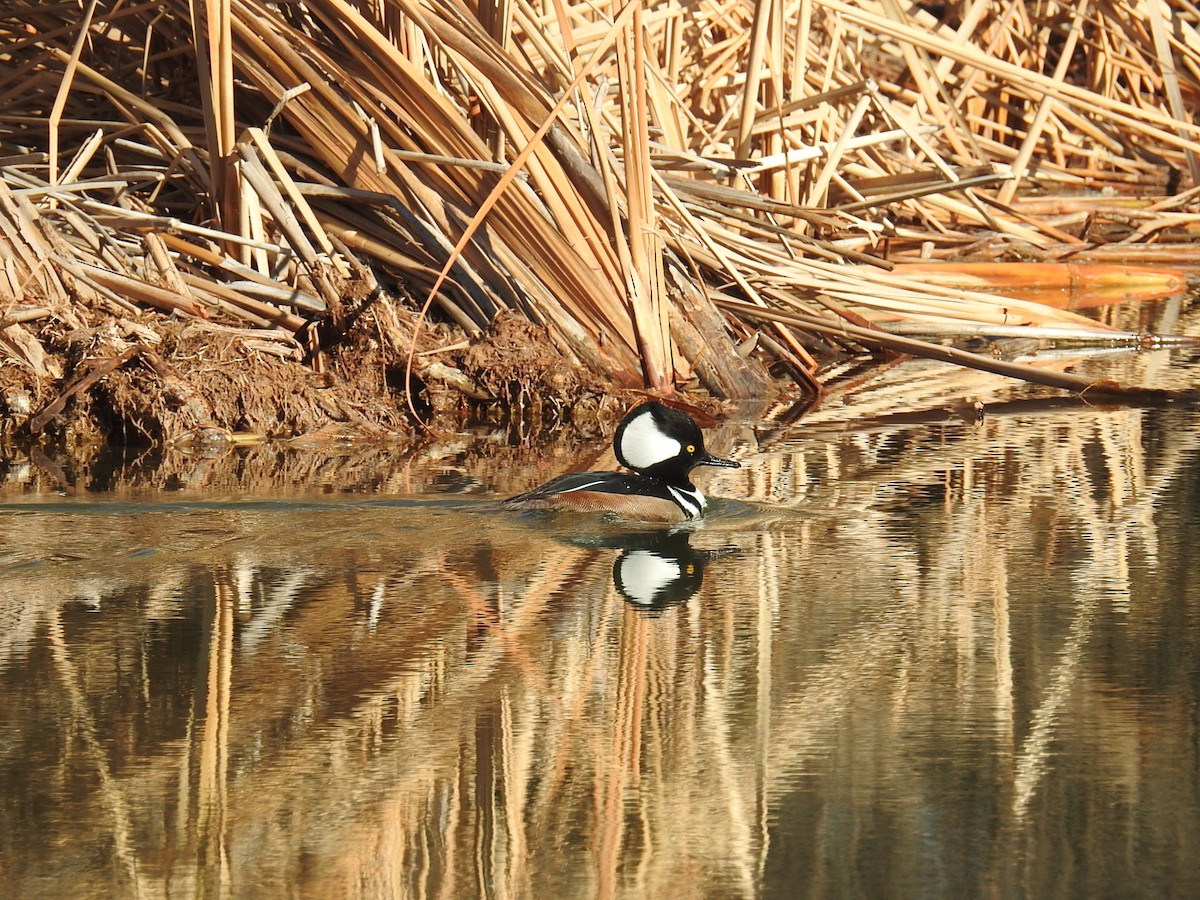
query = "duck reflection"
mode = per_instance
[
  {"x": 655, "y": 578},
  {"x": 655, "y": 570}
]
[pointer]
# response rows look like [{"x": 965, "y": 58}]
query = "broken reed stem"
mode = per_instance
[
  {"x": 1082, "y": 385},
  {"x": 1033, "y": 133},
  {"x": 64, "y": 90},
  {"x": 1160, "y": 30}
]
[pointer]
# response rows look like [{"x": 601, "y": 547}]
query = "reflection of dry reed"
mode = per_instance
[{"x": 376, "y": 706}]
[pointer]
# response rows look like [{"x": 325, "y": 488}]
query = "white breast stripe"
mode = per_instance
[
  {"x": 643, "y": 445},
  {"x": 693, "y": 502}
]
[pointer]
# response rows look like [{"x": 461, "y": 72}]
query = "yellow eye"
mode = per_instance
[{"x": 691, "y": 448}]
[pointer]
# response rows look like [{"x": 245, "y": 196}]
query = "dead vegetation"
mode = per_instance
[{"x": 333, "y": 218}]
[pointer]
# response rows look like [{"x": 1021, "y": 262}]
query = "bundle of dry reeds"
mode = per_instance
[{"x": 666, "y": 189}]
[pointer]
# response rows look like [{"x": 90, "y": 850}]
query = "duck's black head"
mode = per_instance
[{"x": 664, "y": 443}]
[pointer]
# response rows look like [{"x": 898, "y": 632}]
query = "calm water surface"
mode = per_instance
[{"x": 907, "y": 655}]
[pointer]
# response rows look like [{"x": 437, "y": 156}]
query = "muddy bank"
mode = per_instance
[{"x": 127, "y": 393}]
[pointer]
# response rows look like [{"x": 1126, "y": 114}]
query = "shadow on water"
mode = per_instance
[{"x": 917, "y": 658}]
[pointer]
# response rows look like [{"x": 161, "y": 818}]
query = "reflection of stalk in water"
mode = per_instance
[
  {"x": 113, "y": 799},
  {"x": 732, "y": 785},
  {"x": 770, "y": 562},
  {"x": 618, "y": 769},
  {"x": 1033, "y": 761},
  {"x": 1103, "y": 577},
  {"x": 212, "y": 800},
  {"x": 613, "y": 748}
]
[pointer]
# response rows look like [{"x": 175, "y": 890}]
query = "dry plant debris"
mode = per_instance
[{"x": 300, "y": 218}]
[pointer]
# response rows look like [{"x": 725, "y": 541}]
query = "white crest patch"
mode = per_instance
[
  {"x": 644, "y": 575},
  {"x": 693, "y": 502},
  {"x": 644, "y": 445}
]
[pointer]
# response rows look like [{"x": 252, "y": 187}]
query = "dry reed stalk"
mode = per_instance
[
  {"x": 64, "y": 90},
  {"x": 1062, "y": 380},
  {"x": 1045, "y": 275},
  {"x": 378, "y": 98},
  {"x": 644, "y": 274}
]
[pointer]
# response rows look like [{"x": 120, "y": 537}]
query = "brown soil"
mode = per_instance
[
  {"x": 530, "y": 385},
  {"x": 167, "y": 404},
  {"x": 201, "y": 387}
]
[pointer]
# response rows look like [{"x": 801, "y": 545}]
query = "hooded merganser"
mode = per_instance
[{"x": 661, "y": 446}]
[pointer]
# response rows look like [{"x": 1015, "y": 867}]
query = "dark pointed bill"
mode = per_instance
[{"x": 709, "y": 460}]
